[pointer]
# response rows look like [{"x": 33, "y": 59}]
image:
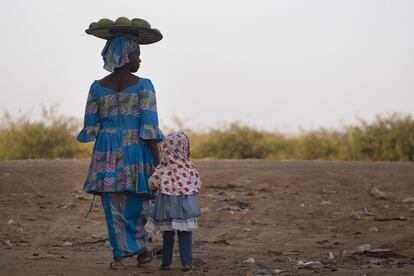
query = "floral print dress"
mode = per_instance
[{"x": 121, "y": 163}]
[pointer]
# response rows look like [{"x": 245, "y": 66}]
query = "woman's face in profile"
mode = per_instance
[{"x": 134, "y": 61}]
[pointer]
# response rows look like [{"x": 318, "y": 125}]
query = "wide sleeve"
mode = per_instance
[
  {"x": 148, "y": 114},
  {"x": 91, "y": 122}
]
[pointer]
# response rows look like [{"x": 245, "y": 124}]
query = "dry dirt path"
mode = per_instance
[{"x": 260, "y": 217}]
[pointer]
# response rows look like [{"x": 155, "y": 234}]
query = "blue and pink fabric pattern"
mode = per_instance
[
  {"x": 120, "y": 121},
  {"x": 126, "y": 215}
]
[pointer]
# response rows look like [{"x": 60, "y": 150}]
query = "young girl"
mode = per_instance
[{"x": 176, "y": 206}]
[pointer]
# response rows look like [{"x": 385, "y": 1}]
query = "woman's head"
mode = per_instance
[
  {"x": 121, "y": 51},
  {"x": 134, "y": 60}
]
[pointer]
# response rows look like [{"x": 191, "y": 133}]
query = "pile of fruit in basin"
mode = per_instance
[
  {"x": 138, "y": 28},
  {"x": 121, "y": 21}
]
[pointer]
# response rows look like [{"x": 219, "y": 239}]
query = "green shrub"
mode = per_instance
[
  {"x": 387, "y": 138},
  {"x": 51, "y": 137}
]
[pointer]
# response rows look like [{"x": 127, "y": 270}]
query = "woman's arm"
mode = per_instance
[
  {"x": 153, "y": 146},
  {"x": 148, "y": 116}
]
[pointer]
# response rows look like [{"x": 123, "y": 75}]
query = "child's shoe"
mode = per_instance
[
  {"x": 187, "y": 268},
  {"x": 165, "y": 267}
]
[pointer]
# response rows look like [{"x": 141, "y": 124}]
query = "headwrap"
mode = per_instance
[
  {"x": 116, "y": 51},
  {"x": 176, "y": 174}
]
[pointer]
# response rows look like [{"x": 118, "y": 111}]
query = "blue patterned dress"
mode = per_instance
[{"x": 121, "y": 162}]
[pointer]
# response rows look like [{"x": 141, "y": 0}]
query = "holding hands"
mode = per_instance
[{"x": 151, "y": 185}]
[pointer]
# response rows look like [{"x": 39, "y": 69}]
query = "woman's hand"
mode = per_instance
[{"x": 151, "y": 185}]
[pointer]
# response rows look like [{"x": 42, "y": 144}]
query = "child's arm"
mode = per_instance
[{"x": 153, "y": 146}]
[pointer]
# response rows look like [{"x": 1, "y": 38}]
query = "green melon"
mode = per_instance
[
  {"x": 140, "y": 23},
  {"x": 93, "y": 25},
  {"x": 105, "y": 22},
  {"x": 123, "y": 21}
]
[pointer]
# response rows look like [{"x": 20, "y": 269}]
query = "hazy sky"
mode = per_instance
[{"x": 272, "y": 64}]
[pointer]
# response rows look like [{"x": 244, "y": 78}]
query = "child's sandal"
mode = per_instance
[
  {"x": 165, "y": 267},
  {"x": 187, "y": 268}
]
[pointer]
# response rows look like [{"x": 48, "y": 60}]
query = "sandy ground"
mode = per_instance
[{"x": 260, "y": 218}]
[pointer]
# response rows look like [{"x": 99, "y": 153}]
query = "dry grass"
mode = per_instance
[{"x": 388, "y": 138}]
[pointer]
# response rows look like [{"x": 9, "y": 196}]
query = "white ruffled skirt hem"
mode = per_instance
[{"x": 155, "y": 226}]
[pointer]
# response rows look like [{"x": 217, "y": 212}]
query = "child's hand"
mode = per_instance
[{"x": 151, "y": 185}]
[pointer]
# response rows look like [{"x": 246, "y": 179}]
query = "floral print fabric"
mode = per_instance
[
  {"x": 176, "y": 174},
  {"x": 119, "y": 122},
  {"x": 116, "y": 51},
  {"x": 125, "y": 220}
]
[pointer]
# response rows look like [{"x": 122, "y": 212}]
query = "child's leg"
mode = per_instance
[
  {"x": 167, "y": 248},
  {"x": 185, "y": 242}
]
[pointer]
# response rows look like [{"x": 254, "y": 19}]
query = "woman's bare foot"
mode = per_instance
[
  {"x": 117, "y": 265},
  {"x": 145, "y": 257}
]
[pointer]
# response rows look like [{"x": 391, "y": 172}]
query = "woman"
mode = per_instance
[{"x": 121, "y": 115}]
